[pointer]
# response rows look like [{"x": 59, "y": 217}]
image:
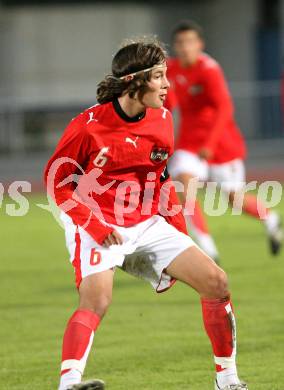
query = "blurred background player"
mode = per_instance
[
  {"x": 128, "y": 137},
  {"x": 209, "y": 142}
]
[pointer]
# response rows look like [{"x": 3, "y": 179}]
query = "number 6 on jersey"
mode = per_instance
[{"x": 101, "y": 159}]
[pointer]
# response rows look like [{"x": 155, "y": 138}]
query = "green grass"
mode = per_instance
[{"x": 147, "y": 341}]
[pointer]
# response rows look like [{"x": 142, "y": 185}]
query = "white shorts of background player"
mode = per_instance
[{"x": 231, "y": 175}]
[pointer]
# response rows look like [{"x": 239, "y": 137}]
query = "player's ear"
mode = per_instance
[{"x": 128, "y": 78}]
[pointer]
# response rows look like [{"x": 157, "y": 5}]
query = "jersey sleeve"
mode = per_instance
[
  {"x": 168, "y": 201},
  {"x": 69, "y": 160},
  {"x": 218, "y": 94}
]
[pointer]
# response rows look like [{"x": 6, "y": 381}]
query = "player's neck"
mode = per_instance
[
  {"x": 131, "y": 107},
  {"x": 188, "y": 62}
]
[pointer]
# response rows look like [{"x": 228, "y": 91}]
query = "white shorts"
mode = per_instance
[
  {"x": 231, "y": 175},
  {"x": 148, "y": 248}
]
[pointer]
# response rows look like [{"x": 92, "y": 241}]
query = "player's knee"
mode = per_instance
[
  {"x": 99, "y": 304},
  {"x": 185, "y": 179},
  {"x": 218, "y": 284},
  {"x": 234, "y": 198},
  {"x": 102, "y": 305}
]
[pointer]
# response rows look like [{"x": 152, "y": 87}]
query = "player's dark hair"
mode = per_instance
[
  {"x": 133, "y": 57},
  {"x": 187, "y": 25}
]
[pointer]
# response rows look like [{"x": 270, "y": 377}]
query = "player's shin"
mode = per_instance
[
  {"x": 254, "y": 207},
  {"x": 77, "y": 342},
  {"x": 219, "y": 322}
]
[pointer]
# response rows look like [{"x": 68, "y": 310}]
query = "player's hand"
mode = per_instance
[
  {"x": 114, "y": 238},
  {"x": 205, "y": 154}
]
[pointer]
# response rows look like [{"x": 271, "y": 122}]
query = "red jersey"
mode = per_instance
[
  {"x": 113, "y": 162},
  {"x": 201, "y": 94}
]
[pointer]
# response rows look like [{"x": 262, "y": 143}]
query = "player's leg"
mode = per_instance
[
  {"x": 232, "y": 177},
  {"x": 196, "y": 269},
  {"x": 197, "y": 220},
  {"x": 95, "y": 293},
  {"x": 184, "y": 167},
  {"x": 93, "y": 266},
  {"x": 163, "y": 255},
  {"x": 253, "y": 207}
]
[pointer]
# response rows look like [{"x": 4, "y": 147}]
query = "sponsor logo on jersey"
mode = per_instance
[
  {"x": 195, "y": 89},
  {"x": 159, "y": 154},
  {"x": 132, "y": 141},
  {"x": 91, "y": 118}
]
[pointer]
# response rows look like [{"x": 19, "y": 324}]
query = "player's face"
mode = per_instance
[
  {"x": 158, "y": 87},
  {"x": 188, "y": 45}
]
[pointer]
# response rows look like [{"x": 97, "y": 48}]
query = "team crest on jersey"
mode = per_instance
[
  {"x": 181, "y": 79},
  {"x": 159, "y": 154},
  {"x": 195, "y": 89}
]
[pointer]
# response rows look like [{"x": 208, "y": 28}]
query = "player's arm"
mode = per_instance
[
  {"x": 217, "y": 91},
  {"x": 169, "y": 201},
  {"x": 65, "y": 163}
]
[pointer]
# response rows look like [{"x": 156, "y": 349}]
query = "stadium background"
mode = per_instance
[{"x": 52, "y": 55}]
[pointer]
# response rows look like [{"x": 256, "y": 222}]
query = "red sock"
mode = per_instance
[
  {"x": 196, "y": 216},
  {"x": 219, "y": 323},
  {"x": 78, "y": 339},
  {"x": 254, "y": 207}
]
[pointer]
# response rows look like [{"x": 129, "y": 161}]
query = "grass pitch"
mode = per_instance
[{"x": 147, "y": 341}]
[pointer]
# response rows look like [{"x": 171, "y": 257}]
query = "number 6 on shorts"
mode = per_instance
[{"x": 95, "y": 257}]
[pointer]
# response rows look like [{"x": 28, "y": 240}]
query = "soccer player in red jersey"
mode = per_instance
[
  {"x": 108, "y": 176},
  {"x": 209, "y": 142}
]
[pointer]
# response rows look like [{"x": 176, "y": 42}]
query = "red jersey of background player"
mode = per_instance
[
  {"x": 201, "y": 94},
  {"x": 127, "y": 153}
]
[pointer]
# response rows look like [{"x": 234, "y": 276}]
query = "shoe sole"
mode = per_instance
[{"x": 89, "y": 385}]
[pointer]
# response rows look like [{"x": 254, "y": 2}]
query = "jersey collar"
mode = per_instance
[{"x": 124, "y": 116}]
